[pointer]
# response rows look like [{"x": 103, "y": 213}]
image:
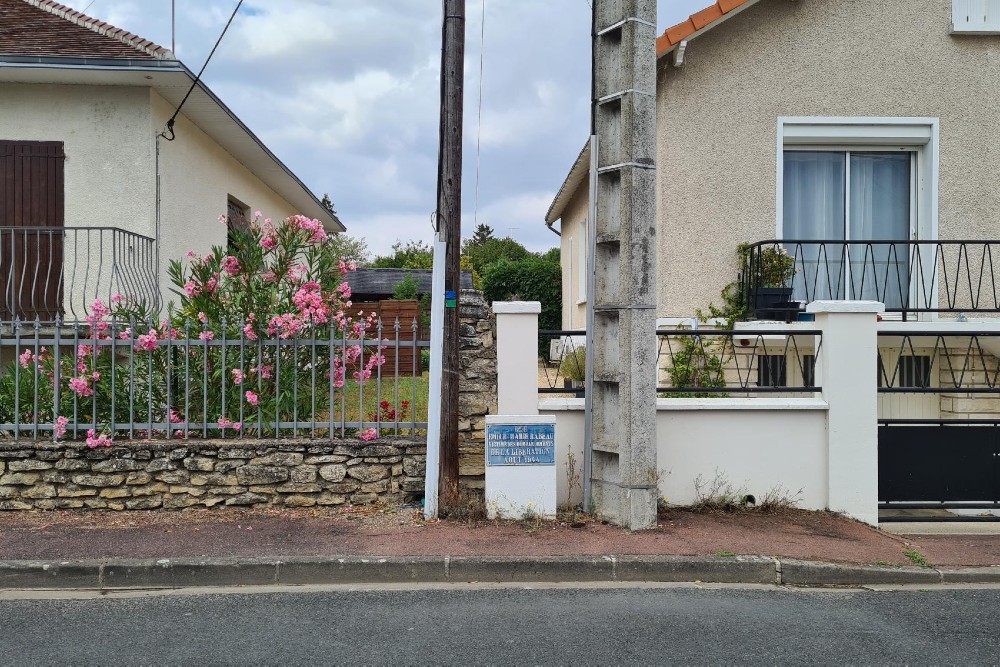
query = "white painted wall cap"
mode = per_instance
[
  {"x": 520, "y": 419},
  {"x": 845, "y": 307},
  {"x": 517, "y": 307}
]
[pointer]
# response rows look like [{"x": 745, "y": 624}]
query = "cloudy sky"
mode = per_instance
[{"x": 346, "y": 94}]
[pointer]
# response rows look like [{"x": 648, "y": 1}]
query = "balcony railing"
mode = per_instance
[
  {"x": 48, "y": 272},
  {"x": 909, "y": 277}
]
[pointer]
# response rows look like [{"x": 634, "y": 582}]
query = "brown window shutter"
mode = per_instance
[{"x": 32, "y": 191}]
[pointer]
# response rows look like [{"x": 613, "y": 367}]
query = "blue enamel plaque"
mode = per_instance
[{"x": 521, "y": 444}]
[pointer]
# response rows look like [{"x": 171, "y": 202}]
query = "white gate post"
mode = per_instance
[
  {"x": 517, "y": 357},
  {"x": 846, "y": 369}
]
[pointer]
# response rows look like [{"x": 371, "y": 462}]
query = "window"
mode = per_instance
[
  {"x": 772, "y": 371},
  {"x": 32, "y": 211},
  {"x": 913, "y": 371},
  {"x": 851, "y": 181},
  {"x": 237, "y": 217},
  {"x": 975, "y": 16}
]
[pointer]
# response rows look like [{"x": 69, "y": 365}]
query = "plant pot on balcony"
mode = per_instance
[
  {"x": 773, "y": 303},
  {"x": 578, "y": 386}
]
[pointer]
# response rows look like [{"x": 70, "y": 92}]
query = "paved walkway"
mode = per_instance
[{"x": 759, "y": 542}]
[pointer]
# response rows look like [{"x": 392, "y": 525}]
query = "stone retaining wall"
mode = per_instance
[
  {"x": 477, "y": 386},
  {"x": 153, "y": 475}
]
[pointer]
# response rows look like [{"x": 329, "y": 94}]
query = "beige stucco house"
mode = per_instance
[
  {"x": 825, "y": 125},
  {"x": 94, "y": 198}
]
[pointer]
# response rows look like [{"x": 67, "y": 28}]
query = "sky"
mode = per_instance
[{"x": 346, "y": 94}]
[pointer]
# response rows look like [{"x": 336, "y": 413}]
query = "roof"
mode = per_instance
[
  {"x": 695, "y": 25},
  {"x": 44, "y": 42},
  {"x": 698, "y": 23},
  {"x": 384, "y": 281},
  {"x": 39, "y": 28},
  {"x": 577, "y": 174}
]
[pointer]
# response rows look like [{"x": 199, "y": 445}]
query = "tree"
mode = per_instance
[
  {"x": 482, "y": 234},
  {"x": 328, "y": 203},
  {"x": 493, "y": 250},
  {"x": 411, "y": 255},
  {"x": 342, "y": 245},
  {"x": 530, "y": 279},
  {"x": 551, "y": 255}
]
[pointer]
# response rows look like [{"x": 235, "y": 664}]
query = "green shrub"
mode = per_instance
[{"x": 574, "y": 365}]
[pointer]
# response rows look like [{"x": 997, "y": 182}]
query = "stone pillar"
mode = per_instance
[
  {"x": 621, "y": 343},
  {"x": 517, "y": 357},
  {"x": 477, "y": 385},
  {"x": 846, "y": 370}
]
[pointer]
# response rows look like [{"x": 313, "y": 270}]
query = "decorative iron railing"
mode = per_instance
[
  {"x": 909, "y": 277},
  {"x": 706, "y": 363},
  {"x": 52, "y": 272},
  {"x": 75, "y": 382}
]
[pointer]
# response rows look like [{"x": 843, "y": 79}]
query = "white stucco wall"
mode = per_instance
[
  {"x": 197, "y": 176},
  {"x": 717, "y": 121},
  {"x": 750, "y": 444},
  {"x": 109, "y": 149},
  {"x": 573, "y": 228}
]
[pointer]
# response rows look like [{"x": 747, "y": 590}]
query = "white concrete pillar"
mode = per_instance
[
  {"x": 846, "y": 370},
  {"x": 517, "y": 357}
]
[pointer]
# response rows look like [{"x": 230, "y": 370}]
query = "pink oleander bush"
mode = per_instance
[{"x": 213, "y": 365}]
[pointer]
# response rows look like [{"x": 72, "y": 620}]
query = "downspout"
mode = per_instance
[{"x": 553, "y": 229}]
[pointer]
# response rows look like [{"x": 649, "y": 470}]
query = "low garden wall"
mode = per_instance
[{"x": 179, "y": 474}]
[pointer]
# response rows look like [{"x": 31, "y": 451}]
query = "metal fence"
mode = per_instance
[
  {"x": 151, "y": 380},
  {"x": 702, "y": 363},
  {"x": 51, "y": 272},
  {"x": 909, "y": 277}
]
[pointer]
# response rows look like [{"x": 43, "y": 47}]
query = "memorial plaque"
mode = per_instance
[{"x": 520, "y": 444}]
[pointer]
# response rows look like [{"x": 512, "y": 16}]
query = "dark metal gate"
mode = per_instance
[{"x": 949, "y": 460}]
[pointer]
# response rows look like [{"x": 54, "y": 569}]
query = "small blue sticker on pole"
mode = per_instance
[{"x": 449, "y": 300}]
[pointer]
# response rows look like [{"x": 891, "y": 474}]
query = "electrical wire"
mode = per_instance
[
  {"x": 479, "y": 120},
  {"x": 170, "y": 123},
  {"x": 84, "y": 11}
]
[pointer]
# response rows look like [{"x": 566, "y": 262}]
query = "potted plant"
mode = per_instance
[
  {"x": 573, "y": 369},
  {"x": 770, "y": 270}
]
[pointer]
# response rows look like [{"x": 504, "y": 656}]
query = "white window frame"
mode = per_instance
[
  {"x": 581, "y": 272},
  {"x": 855, "y": 133}
]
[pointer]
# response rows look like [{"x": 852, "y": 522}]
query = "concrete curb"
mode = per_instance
[{"x": 172, "y": 573}]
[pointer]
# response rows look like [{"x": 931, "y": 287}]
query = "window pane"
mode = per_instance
[
  {"x": 880, "y": 210},
  {"x": 814, "y": 209}
]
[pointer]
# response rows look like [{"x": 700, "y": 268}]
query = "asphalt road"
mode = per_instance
[{"x": 509, "y": 626}]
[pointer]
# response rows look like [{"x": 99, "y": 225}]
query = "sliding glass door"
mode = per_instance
[{"x": 848, "y": 198}]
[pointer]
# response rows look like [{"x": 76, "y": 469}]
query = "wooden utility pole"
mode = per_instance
[{"x": 449, "y": 210}]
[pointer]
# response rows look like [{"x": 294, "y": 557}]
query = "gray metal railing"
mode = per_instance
[
  {"x": 147, "y": 380},
  {"x": 52, "y": 272}
]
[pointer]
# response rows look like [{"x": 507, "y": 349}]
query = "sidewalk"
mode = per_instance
[{"x": 354, "y": 545}]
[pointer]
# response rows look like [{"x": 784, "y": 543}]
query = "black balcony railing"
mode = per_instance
[
  {"x": 48, "y": 272},
  {"x": 909, "y": 277}
]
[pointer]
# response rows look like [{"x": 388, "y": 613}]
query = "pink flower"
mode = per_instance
[
  {"x": 59, "y": 427},
  {"x": 125, "y": 333},
  {"x": 147, "y": 342},
  {"x": 26, "y": 358},
  {"x": 206, "y": 335},
  {"x": 268, "y": 243},
  {"x": 96, "y": 376},
  {"x": 81, "y": 386},
  {"x": 237, "y": 426},
  {"x": 368, "y": 435},
  {"x": 117, "y": 298},
  {"x": 202, "y": 317},
  {"x": 190, "y": 254},
  {"x": 249, "y": 332},
  {"x": 252, "y": 398},
  {"x": 191, "y": 289},
  {"x": 265, "y": 371},
  {"x": 230, "y": 265},
  {"x": 237, "y": 376},
  {"x": 222, "y": 219},
  {"x": 225, "y": 423},
  {"x": 94, "y": 440},
  {"x": 256, "y": 214},
  {"x": 175, "y": 416}
]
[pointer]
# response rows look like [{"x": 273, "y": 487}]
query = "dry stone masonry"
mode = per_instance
[
  {"x": 155, "y": 475},
  {"x": 477, "y": 389}
]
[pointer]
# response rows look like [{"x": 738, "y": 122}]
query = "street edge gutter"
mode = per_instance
[{"x": 176, "y": 573}]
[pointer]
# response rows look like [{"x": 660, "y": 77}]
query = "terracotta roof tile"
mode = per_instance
[
  {"x": 47, "y": 28},
  {"x": 678, "y": 33}
]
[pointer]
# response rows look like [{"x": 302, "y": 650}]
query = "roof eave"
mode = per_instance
[
  {"x": 665, "y": 46},
  {"x": 577, "y": 174}
]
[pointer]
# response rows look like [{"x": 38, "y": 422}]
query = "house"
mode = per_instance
[
  {"x": 378, "y": 284},
  {"x": 95, "y": 194},
  {"x": 860, "y": 138},
  {"x": 833, "y": 123}
]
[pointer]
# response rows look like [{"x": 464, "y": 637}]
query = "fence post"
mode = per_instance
[
  {"x": 517, "y": 357},
  {"x": 847, "y": 371}
]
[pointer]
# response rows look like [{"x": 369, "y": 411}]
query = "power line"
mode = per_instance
[
  {"x": 479, "y": 120},
  {"x": 170, "y": 123},
  {"x": 84, "y": 11}
]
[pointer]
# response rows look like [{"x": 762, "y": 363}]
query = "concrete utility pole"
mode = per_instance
[
  {"x": 449, "y": 215},
  {"x": 622, "y": 342}
]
